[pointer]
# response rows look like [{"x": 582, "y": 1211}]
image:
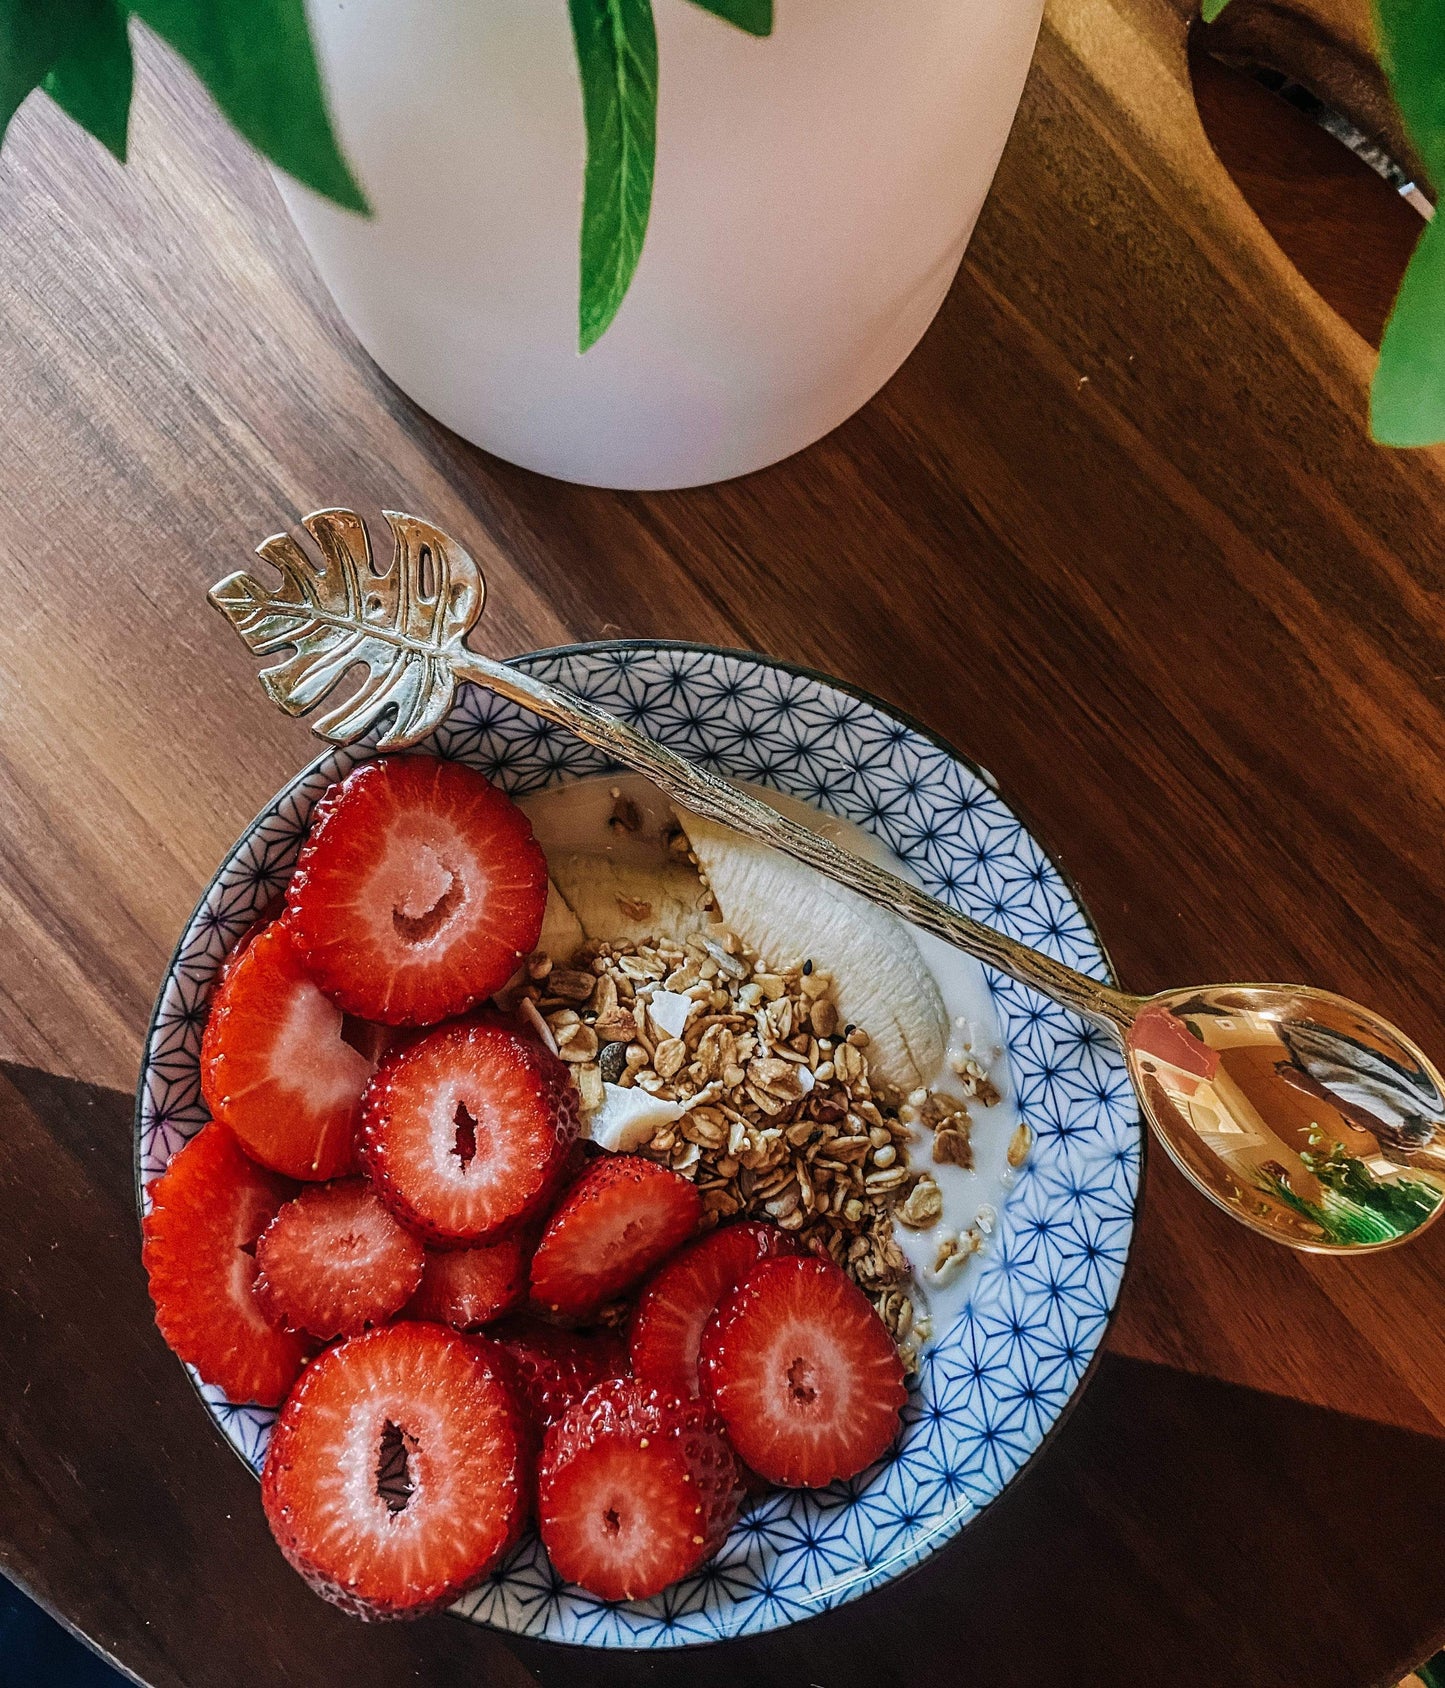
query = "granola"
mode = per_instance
[
  {"x": 742, "y": 1075},
  {"x": 776, "y": 1116}
]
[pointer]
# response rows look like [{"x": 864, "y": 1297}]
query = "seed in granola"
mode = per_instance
[
  {"x": 880, "y": 1183},
  {"x": 568, "y": 984},
  {"x": 532, "y": 1014},
  {"x": 589, "y": 1086},
  {"x": 611, "y": 1061},
  {"x": 1020, "y": 1144},
  {"x": 727, "y": 963},
  {"x": 577, "y": 1043},
  {"x": 848, "y": 1064},
  {"x": 778, "y": 1077},
  {"x": 823, "y": 1017},
  {"x": 951, "y": 1147},
  {"x": 924, "y": 1206},
  {"x": 617, "y": 1027},
  {"x": 670, "y": 1057}
]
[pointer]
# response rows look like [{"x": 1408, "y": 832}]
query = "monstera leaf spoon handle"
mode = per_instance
[{"x": 1303, "y": 1115}]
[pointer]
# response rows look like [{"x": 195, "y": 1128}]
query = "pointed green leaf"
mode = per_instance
[
  {"x": 617, "y": 57},
  {"x": 91, "y": 79},
  {"x": 1410, "y": 33},
  {"x": 257, "y": 59},
  {"x": 1211, "y": 9},
  {"x": 755, "y": 16},
  {"x": 30, "y": 40},
  {"x": 1407, "y": 402}
]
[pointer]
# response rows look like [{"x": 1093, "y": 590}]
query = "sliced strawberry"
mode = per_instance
[
  {"x": 207, "y": 1209},
  {"x": 272, "y": 912},
  {"x": 636, "y": 1488},
  {"x": 334, "y": 1261},
  {"x": 466, "y": 1131},
  {"x": 681, "y": 1296},
  {"x": 467, "y": 1287},
  {"x": 399, "y": 1470},
  {"x": 418, "y": 891},
  {"x": 621, "y": 1217},
  {"x": 275, "y": 1066},
  {"x": 555, "y": 1368},
  {"x": 804, "y": 1373}
]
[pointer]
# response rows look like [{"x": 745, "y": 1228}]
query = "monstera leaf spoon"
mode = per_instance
[{"x": 1305, "y": 1116}]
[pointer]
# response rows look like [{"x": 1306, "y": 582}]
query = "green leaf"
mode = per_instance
[
  {"x": 756, "y": 16},
  {"x": 257, "y": 59},
  {"x": 31, "y": 34},
  {"x": 1211, "y": 9},
  {"x": 617, "y": 56},
  {"x": 1407, "y": 402},
  {"x": 91, "y": 79}
]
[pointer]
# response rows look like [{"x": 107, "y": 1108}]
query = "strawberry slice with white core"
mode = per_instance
[
  {"x": 419, "y": 891},
  {"x": 636, "y": 1488},
  {"x": 207, "y": 1210},
  {"x": 468, "y": 1287},
  {"x": 334, "y": 1261},
  {"x": 466, "y": 1131},
  {"x": 621, "y": 1218},
  {"x": 399, "y": 1470},
  {"x": 277, "y": 1066},
  {"x": 803, "y": 1372},
  {"x": 680, "y": 1297}
]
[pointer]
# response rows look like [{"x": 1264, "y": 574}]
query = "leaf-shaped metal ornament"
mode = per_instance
[{"x": 406, "y": 626}]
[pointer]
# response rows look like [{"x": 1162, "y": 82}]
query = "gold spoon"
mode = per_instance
[{"x": 1307, "y": 1117}]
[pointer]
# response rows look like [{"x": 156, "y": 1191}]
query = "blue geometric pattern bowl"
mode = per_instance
[{"x": 992, "y": 1386}]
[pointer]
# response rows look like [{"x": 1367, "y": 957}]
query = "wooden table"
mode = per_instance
[{"x": 1115, "y": 531}]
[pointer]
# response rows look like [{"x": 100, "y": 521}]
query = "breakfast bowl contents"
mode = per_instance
[{"x": 602, "y": 1197}]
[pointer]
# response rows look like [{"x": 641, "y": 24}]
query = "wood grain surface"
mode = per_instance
[{"x": 1115, "y": 531}]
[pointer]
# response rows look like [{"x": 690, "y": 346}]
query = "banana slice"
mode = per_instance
[
  {"x": 562, "y": 934},
  {"x": 613, "y": 898},
  {"x": 786, "y": 911}
]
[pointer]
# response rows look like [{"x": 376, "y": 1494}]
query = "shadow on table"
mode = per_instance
[{"x": 35, "y": 1652}]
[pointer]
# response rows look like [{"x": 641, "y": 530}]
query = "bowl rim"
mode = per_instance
[{"x": 591, "y": 647}]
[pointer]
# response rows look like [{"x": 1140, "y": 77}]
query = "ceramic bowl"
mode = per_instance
[{"x": 993, "y": 1385}]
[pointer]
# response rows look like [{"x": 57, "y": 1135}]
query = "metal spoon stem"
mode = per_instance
[{"x": 704, "y": 793}]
